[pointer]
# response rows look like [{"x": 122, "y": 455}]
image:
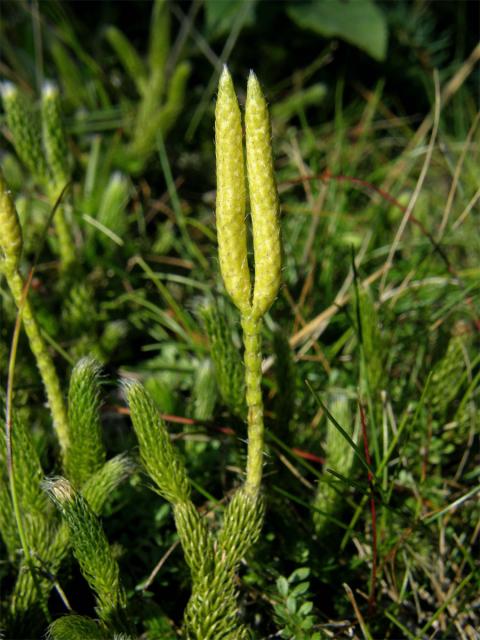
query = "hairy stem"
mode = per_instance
[
  {"x": 44, "y": 361},
  {"x": 253, "y": 379}
]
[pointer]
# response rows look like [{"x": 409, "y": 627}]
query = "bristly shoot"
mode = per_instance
[
  {"x": 232, "y": 237},
  {"x": 231, "y": 195},
  {"x": 263, "y": 199},
  {"x": 213, "y": 558},
  {"x": 11, "y": 234}
]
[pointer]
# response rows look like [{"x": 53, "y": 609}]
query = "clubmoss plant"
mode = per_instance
[
  {"x": 85, "y": 454},
  {"x": 11, "y": 240},
  {"x": 91, "y": 549},
  {"x": 58, "y": 159},
  {"x": 11, "y": 249},
  {"x": 40, "y": 143},
  {"x": 227, "y": 362},
  {"x": 24, "y": 125},
  {"x": 232, "y": 238},
  {"x": 263, "y": 200},
  {"x": 212, "y": 559},
  {"x": 76, "y": 627},
  {"x": 51, "y": 545},
  {"x": 161, "y": 93},
  {"x": 204, "y": 392},
  {"x": 112, "y": 209},
  {"x": 339, "y": 457},
  {"x": 446, "y": 378},
  {"x": 48, "y": 540},
  {"x": 212, "y": 611},
  {"x": 54, "y": 139},
  {"x": 231, "y": 196},
  {"x": 37, "y": 526}
]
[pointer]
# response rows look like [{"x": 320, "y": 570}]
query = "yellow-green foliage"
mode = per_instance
[
  {"x": 112, "y": 209},
  {"x": 24, "y": 125},
  {"x": 228, "y": 365},
  {"x": 161, "y": 96},
  {"x": 79, "y": 298},
  {"x": 213, "y": 560},
  {"x": 75, "y": 627},
  {"x": 128, "y": 56},
  {"x": 42, "y": 147},
  {"x": 51, "y": 546},
  {"x": 231, "y": 195},
  {"x": 231, "y": 198},
  {"x": 446, "y": 378},
  {"x": 73, "y": 85},
  {"x": 54, "y": 140},
  {"x": 232, "y": 233},
  {"x": 253, "y": 394},
  {"x": 212, "y": 611},
  {"x": 85, "y": 453},
  {"x": 48, "y": 543},
  {"x": 101, "y": 484},
  {"x": 11, "y": 244},
  {"x": 90, "y": 547},
  {"x": 28, "y": 477},
  {"x": 43, "y": 360},
  {"x": 263, "y": 199},
  {"x": 37, "y": 522},
  {"x": 11, "y": 232},
  {"x": 158, "y": 455},
  {"x": 204, "y": 390},
  {"x": 338, "y": 457}
]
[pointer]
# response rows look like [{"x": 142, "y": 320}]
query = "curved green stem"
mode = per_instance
[
  {"x": 11, "y": 471},
  {"x": 42, "y": 356}
]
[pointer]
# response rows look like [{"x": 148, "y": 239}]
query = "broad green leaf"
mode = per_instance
[
  {"x": 282, "y": 586},
  {"x": 291, "y": 605},
  {"x": 359, "y": 22},
  {"x": 300, "y": 574},
  {"x": 305, "y": 608}
]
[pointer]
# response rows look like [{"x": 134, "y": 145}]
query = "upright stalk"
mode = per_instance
[
  {"x": 10, "y": 465},
  {"x": 232, "y": 239},
  {"x": 44, "y": 361},
  {"x": 253, "y": 380},
  {"x": 66, "y": 246},
  {"x": 58, "y": 159},
  {"x": 213, "y": 557},
  {"x": 11, "y": 248}
]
